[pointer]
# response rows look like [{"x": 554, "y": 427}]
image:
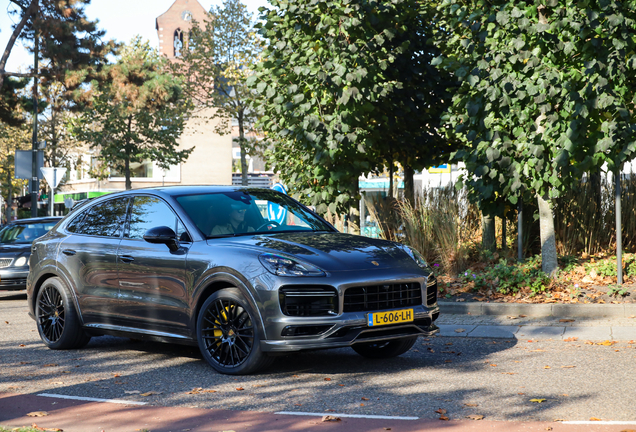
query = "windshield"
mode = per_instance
[
  {"x": 24, "y": 233},
  {"x": 251, "y": 211}
]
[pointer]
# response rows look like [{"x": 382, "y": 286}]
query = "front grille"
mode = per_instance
[
  {"x": 377, "y": 297},
  {"x": 11, "y": 282},
  {"x": 5, "y": 262},
  {"x": 308, "y": 301}
]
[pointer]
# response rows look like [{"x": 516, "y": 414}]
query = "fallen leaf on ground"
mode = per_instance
[
  {"x": 595, "y": 419},
  {"x": 327, "y": 379},
  {"x": 606, "y": 343},
  {"x": 493, "y": 365},
  {"x": 37, "y": 414},
  {"x": 568, "y": 367},
  {"x": 549, "y": 428},
  {"x": 571, "y": 339},
  {"x": 508, "y": 373},
  {"x": 471, "y": 404},
  {"x": 460, "y": 330},
  {"x": 537, "y": 400},
  {"x": 150, "y": 393},
  {"x": 330, "y": 418},
  {"x": 361, "y": 404},
  {"x": 50, "y": 365},
  {"x": 589, "y": 343},
  {"x": 512, "y": 317},
  {"x": 546, "y": 367},
  {"x": 566, "y": 320},
  {"x": 448, "y": 361},
  {"x": 22, "y": 345},
  {"x": 449, "y": 343},
  {"x": 364, "y": 398},
  {"x": 559, "y": 420},
  {"x": 240, "y": 389},
  {"x": 475, "y": 417},
  {"x": 440, "y": 411},
  {"x": 522, "y": 316},
  {"x": 36, "y": 427}
]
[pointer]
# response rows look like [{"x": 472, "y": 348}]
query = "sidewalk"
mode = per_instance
[{"x": 594, "y": 322}]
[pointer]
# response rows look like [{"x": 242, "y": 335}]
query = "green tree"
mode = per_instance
[
  {"x": 136, "y": 113},
  {"x": 547, "y": 94},
  {"x": 214, "y": 67},
  {"x": 67, "y": 40},
  {"x": 345, "y": 90}
]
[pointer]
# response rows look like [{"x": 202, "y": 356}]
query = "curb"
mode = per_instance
[{"x": 539, "y": 310}]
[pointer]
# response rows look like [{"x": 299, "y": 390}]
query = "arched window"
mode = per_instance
[{"x": 178, "y": 42}]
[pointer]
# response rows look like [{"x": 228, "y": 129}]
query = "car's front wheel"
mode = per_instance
[
  {"x": 387, "y": 349},
  {"x": 227, "y": 332},
  {"x": 57, "y": 320}
]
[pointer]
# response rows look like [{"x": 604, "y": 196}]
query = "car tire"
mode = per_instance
[
  {"x": 228, "y": 334},
  {"x": 56, "y": 317},
  {"x": 385, "y": 349}
]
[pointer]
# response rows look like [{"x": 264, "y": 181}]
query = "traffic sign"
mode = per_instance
[
  {"x": 275, "y": 212},
  {"x": 53, "y": 176}
]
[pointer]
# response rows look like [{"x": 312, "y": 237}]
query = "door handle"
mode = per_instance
[
  {"x": 126, "y": 258},
  {"x": 69, "y": 252}
]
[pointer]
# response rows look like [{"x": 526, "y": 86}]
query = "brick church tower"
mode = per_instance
[{"x": 173, "y": 25}]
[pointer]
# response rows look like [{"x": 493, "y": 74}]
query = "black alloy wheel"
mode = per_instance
[
  {"x": 56, "y": 317},
  {"x": 386, "y": 349},
  {"x": 228, "y": 335}
]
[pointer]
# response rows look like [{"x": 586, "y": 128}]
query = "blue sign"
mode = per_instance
[{"x": 275, "y": 212}]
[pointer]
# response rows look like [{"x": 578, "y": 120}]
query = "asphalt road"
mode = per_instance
[{"x": 464, "y": 376}]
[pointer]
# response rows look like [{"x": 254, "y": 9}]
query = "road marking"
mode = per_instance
[
  {"x": 347, "y": 415},
  {"x": 90, "y": 399},
  {"x": 590, "y": 422}
]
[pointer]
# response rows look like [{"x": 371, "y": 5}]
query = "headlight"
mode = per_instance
[
  {"x": 417, "y": 257},
  {"x": 20, "y": 262},
  {"x": 285, "y": 266}
]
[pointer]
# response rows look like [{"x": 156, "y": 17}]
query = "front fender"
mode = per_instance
[{"x": 219, "y": 278}]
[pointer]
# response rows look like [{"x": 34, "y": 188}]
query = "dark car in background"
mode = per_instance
[
  {"x": 15, "y": 248},
  {"x": 244, "y": 273}
]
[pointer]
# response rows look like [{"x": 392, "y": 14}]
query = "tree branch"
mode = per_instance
[
  {"x": 16, "y": 74},
  {"x": 28, "y": 12}
]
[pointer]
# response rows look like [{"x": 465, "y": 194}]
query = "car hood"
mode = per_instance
[
  {"x": 333, "y": 251},
  {"x": 11, "y": 250}
]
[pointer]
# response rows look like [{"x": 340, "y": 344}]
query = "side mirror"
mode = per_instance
[{"x": 163, "y": 235}]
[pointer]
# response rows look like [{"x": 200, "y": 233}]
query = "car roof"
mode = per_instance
[
  {"x": 36, "y": 220},
  {"x": 187, "y": 190}
]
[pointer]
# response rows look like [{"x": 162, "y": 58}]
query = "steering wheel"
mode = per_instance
[{"x": 268, "y": 223}]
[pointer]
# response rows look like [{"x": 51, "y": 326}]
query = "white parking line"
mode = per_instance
[
  {"x": 347, "y": 415},
  {"x": 90, "y": 399},
  {"x": 591, "y": 422}
]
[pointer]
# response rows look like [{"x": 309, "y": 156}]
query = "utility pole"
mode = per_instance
[{"x": 35, "y": 184}]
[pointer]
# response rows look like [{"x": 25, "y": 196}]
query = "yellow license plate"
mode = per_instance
[{"x": 392, "y": 317}]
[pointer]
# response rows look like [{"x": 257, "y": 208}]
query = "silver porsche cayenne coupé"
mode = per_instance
[{"x": 244, "y": 273}]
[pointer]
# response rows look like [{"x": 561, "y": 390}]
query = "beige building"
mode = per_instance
[{"x": 211, "y": 160}]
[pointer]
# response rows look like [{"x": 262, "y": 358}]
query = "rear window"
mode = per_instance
[{"x": 24, "y": 233}]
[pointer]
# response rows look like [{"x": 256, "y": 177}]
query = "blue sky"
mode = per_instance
[{"x": 122, "y": 19}]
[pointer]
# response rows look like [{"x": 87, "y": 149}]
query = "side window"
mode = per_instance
[
  {"x": 105, "y": 219},
  {"x": 149, "y": 212}
]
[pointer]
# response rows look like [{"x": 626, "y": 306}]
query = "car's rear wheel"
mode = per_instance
[
  {"x": 386, "y": 349},
  {"x": 57, "y": 320},
  {"x": 228, "y": 336}
]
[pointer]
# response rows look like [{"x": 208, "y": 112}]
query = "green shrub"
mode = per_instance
[{"x": 510, "y": 278}]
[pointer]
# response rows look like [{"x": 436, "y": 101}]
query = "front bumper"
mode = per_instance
[
  {"x": 350, "y": 329},
  {"x": 13, "y": 279}
]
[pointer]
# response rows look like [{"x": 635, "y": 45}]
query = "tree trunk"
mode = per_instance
[
  {"x": 391, "y": 179},
  {"x": 9, "y": 198},
  {"x": 127, "y": 160},
  {"x": 244, "y": 168},
  {"x": 488, "y": 233},
  {"x": 549, "y": 263},
  {"x": 409, "y": 185}
]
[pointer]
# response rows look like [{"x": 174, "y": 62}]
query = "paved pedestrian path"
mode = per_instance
[{"x": 520, "y": 326}]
